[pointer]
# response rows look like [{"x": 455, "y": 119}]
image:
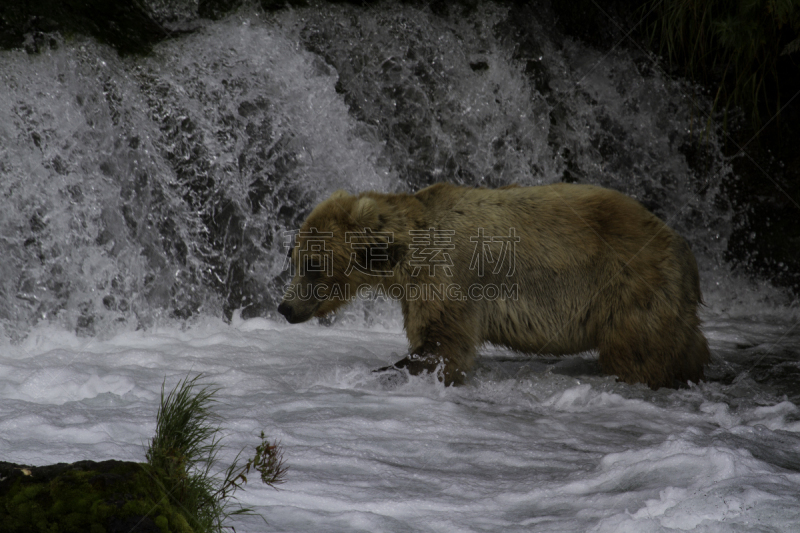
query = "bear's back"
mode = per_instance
[{"x": 559, "y": 225}]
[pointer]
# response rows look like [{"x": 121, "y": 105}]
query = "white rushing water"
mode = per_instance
[
  {"x": 529, "y": 444},
  {"x": 138, "y": 191}
]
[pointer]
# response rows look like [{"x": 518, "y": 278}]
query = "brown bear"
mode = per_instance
[{"x": 556, "y": 269}]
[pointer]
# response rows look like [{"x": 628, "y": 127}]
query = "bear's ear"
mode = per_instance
[
  {"x": 338, "y": 195},
  {"x": 365, "y": 213}
]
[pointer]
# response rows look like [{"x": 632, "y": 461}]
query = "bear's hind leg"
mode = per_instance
[
  {"x": 631, "y": 364},
  {"x": 695, "y": 356},
  {"x": 659, "y": 353}
]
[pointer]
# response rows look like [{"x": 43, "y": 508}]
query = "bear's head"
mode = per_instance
[{"x": 345, "y": 245}]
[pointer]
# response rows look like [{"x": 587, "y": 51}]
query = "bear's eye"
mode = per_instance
[{"x": 313, "y": 266}]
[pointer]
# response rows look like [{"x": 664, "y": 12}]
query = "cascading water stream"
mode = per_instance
[{"x": 142, "y": 188}]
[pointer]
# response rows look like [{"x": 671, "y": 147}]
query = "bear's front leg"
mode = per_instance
[
  {"x": 416, "y": 364},
  {"x": 449, "y": 339}
]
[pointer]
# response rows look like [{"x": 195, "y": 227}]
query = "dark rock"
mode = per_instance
[
  {"x": 111, "y": 496},
  {"x": 130, "y": 27}
]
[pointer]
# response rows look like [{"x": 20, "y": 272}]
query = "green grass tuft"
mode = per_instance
[{"x": 183, "y": 456}]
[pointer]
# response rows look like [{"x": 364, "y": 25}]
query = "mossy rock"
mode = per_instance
[{"x": 86, "y": 497}]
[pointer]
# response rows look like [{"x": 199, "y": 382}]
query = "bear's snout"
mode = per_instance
[
  {"x": 287, "y": 311},
  {"x": 296, "y": 312}
]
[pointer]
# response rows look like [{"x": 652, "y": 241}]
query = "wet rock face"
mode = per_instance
[
  {"x": 442, "y": 90},
  {"x": 131, "y": 27},
  {"x": 110, "y": 496}
]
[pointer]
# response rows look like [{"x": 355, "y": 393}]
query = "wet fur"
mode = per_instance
[{"x": 595, "y": 270}]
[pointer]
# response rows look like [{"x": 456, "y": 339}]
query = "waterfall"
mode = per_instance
[{"x": 146, "y": 188}]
